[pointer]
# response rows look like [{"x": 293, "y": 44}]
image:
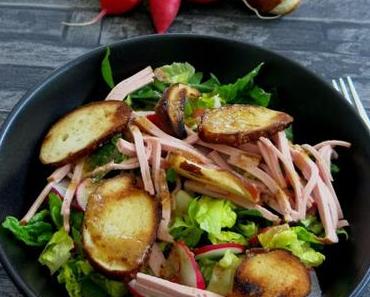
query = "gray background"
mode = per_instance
[{"x": 331, "y": 37}]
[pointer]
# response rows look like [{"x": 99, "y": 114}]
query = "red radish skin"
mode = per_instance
[
  {"x": 84, "y": 189},
  {"x": 216, "y": 250},
  {"x": 60, "y": 190},
  {"x": 163, "y": 13},
  {"x": 133, "y": 291},
  {"x": 189, "y": 273},
  {"x": 109, "y": 7}
]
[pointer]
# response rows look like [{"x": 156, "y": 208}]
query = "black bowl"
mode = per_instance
[{"x": 319, "y": 112}]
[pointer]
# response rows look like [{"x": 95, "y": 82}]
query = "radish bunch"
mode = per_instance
[{"x": 164, "y": 12}]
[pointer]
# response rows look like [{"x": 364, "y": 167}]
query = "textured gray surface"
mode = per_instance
[{"x": 331, "y": 37}]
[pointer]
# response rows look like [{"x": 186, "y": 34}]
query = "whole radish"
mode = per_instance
[
  {"x": 110, "y": 7},
  {"x": 163, "y": 13}
]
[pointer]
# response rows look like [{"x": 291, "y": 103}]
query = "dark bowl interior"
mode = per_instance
[{"x": 319, "y": 112}]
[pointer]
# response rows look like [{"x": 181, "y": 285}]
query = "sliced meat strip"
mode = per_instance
[
  {"x": 55, "y": 178},
  {"x": 131, "y": 84},
  {"x": 333, "y": 143},
  {"x": 75, "y": 181},
  {"x": 143, "y": 159},
  {"x": 126, "y": 148},
  {"x": 219, "y": 161}
]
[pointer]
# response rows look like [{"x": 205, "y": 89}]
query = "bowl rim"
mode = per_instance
[{"x": 30, "y": 94}]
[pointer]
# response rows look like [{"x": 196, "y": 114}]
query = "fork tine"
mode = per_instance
[
  {"x": 344, "y": 89},
  {"x": 335, "y": 85},
  {"x": 357, "y": 101}
]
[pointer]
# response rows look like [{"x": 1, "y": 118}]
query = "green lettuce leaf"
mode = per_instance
[
  {"x": 111, "y": 287},
  {"x": 37, "y": 232},
  {"x": 212, "y": 214},
  {"x": 57, "y": 251},
  {"x": 285, "y": 237},
  {"x": 186, "y": 230},
  {"x": 312, "y": 224},
  {"x": 55, "y": 206},
  {"x": 226, "y": 237},
  {"x": 248, "y": 230},
  {"x": 175, "y": 73},
  {"x": 182, "y": 200},
  {"x": 106, "y": 69},
  {"x": 72, "y": 274},
  {"x": 205, "y": 101},
  {"x": 206, "y": 267},
  {"x": 223, "y": 273},
  {"x": 105, "y": 154},
  {"x": 171, "y": 175},
  {"x": 76, "y": 224},
  {"x": 243, "y": 91},
  {"x": 206, "y": 87}
]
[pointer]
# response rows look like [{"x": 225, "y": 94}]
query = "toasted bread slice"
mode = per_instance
[
  {"x": 270, "y": 274},
  {"x": 171, "y": 107},
  {"x": 120, "y": 226},
  {"x": 82, "y": 130},
  {"x": 238, "y": 124},
  {"x": 218, "y": 178}
]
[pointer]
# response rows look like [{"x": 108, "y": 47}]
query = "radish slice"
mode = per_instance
[
  {"x": 189, "y": 273},
  {"x": 132, "y": 290},
  {"x": 60, "y": 189},
  {"x": 218, "y": 250},
  {"x": 84, "y": 189}
]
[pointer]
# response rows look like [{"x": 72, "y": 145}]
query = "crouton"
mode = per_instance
[
  {"x": 171, "y": 107},
  {"x": 79, "y": 132},
  {"x": 120, "y": 226},
  {"x": 216, "y": 177},
  {"x": 238, "y": 124},
  {"x": 273, "y": 273}
]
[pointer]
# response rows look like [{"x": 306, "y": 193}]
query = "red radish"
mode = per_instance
[
  {"x": 132, "y": 290},
  {"x": 189, "y": 273},
  {"x": 109, "y": 7},
  {"x": 60, "y": 189},
  {"x": 163, "y": 13},
  {"x": 218, "y": 250},
  {"x": 84, "y": 189}
]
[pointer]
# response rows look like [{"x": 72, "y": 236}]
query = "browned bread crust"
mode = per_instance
[
  {"x": 273, "y": 273},
  {"x": 80, "y": 132},
  {"x": 238, "y": 124},
  {"x": 120, "y": 226}
]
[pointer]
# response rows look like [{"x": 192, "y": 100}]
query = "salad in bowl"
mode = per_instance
[{"x": 179, "y": 185}]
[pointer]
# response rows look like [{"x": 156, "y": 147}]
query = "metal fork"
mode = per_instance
[{"x": 342, "y": 87}]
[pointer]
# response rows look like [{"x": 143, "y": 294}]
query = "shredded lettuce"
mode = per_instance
[
  {"x": 248, "y": 229},
  {"x": 55, "y": 206},
  {"x": 291, "y": 239},
  {"x": 175, "y": 73},
  {"x": 37, "y": 232},
  {"x": 106, "y": 69},
  {"x": 206, "y": 267},
  {"x": 312, "y": 224},
  {"x": 72, "y": 274},
  {"x": 213, "y": 214},
  {"x": 222, "y": 279},
  {"x": 105, "y": 154},
  {"x": 205, "y": 101},
  {"x": 227, "y": 236},
  {"x": 57, "y": 251},
  {"x": 208, "y": 215},
  {"x": 183, "y": 228},
  {"x": 81, "y": 280}
]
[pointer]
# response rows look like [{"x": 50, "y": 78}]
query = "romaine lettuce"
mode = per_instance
[
  {"x": 57, "y": 251},
  {"x": 291, "y": 239},
  {"x": 222, "y": 278},
  {"x": 37, "y": 232},
  {"x": 175, "y": 73}
]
